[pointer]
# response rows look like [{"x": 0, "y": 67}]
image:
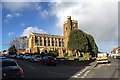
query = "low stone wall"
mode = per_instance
[{"x": 75, "y": 62}]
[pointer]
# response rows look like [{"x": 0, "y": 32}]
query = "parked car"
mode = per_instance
[
  {"x": 2, "y": 57},
  {"x": 11, "y": 69},
  {"x": 19, "y": 56},
  {"x": 26, "y": 56},
  {"x": 48, "y": 60},
  {"x": 35, "y": 58},
  {"x": 12, "y": 55}
]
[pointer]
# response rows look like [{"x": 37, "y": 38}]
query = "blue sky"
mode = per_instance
[{"x": 97, "y": 19}]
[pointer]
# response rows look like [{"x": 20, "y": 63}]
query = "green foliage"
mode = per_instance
[
  {"x": 12, "y": 49},
  {"x": 52, "y": 53},
  {"x": 81, "y": 41},
  {"x": 77, "y": 41},
  {"x": 65, "y": 54},
  {"x": 92, "y": 45},
  {"x": 43, "y": 54}
]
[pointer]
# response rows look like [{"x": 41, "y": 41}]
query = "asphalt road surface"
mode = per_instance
[
  {"x": 36, "y": 70},
  {"x": 108, "y": 70}
]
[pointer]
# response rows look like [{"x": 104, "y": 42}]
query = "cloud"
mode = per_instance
[
  {"x": 9, "y": 16},
  {"x": 18, "y": 14},
  {"x": 10, "y": 33},
  {"x": 33, "y": 29},
  {"x": 44, "y": 13},
  {"x": 96, "y": 18}
]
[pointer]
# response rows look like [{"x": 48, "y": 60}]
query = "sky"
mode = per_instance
[{"x": 96, "y": 17}]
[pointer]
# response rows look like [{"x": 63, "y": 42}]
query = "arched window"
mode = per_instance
[
  {"x": 40, "y": 41},
  {"x": 59, "y": 43},
  {"x": 44, "y": 41},
  {"x": 52, "y": 42},
  {"x": 48, "y": 41}
]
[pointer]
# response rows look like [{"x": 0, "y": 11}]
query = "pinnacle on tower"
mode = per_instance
[{"x": 69, "y": 17}]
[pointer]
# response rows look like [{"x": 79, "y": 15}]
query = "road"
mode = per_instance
[
  {"x": 108, "y": 70},
  {"x": 36, "y": 70}
]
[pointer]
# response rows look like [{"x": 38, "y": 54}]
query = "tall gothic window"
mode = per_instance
[
  {"x": 48, "y": 41},
  {"x": 37, "y": 41},
  {"x": 55, "y": 42},
  {"x": 40, "y": 41},
  {"x": 59, "y": 43},
  {"x": 52, "y": 42},
  {"x": 44, "y": 41}
]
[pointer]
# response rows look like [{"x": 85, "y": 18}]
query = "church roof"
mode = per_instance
[{"x": 47, "y": 35}]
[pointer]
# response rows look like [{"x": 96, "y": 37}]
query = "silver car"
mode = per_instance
[
  {"x": 26, "y": 56},
  {"x": 35, "y": 58}
]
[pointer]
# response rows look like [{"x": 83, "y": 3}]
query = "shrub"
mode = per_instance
[
  {"x": 43, "y": 54},
  {"x": 52, "y": 53}
]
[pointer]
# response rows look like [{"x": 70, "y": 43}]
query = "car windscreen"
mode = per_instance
[{"x": 8, "y": 63}]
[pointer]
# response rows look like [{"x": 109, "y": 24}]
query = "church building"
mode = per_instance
[{"x": 45, "y": 42}]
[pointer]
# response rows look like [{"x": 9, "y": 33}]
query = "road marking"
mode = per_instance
[
  {"x": 85, "y": 74},
  {"x": 78, "y": 74},
  {"x": 75, "y": 76}
]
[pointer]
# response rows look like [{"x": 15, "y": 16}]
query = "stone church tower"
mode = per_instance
[{"x": 68, "y": 26}]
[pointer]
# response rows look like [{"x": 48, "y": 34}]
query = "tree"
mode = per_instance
[
  {"x": 12, "y": 49},
  {"x": 81, "y": 41},
  {"x": 92, "y": 45},
  {"x": 77, "y": 41},
  {"x": 19, "y": 42}
]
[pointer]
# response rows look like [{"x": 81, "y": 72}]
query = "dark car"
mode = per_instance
[
  {"x": 11, "y": 69},
  {"x": 49, "y": 60},
  {"x": 2, "y": 57},
  {"x": 12, "y": 55}
]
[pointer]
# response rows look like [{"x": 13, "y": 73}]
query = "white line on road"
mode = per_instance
[
  {"x": 85, "y": 74},
  {"x": 77, "y": 75}
]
